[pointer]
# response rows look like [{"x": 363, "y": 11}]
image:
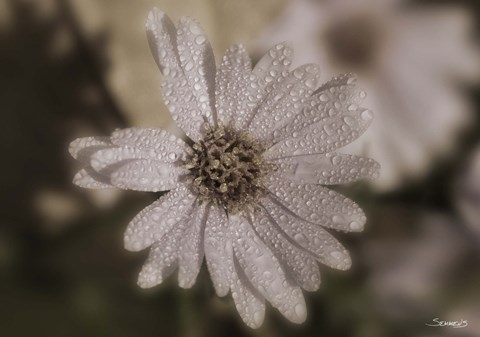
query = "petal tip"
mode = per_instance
[
  {"x": 148, "y": 279},
  {"x": 300, "y": 313},
  {"x": 132, "y": 245},
  {"x": 73, "y": 147},
  {"x": 155, "y": 14},
  {"x": 256, "y": 320}
]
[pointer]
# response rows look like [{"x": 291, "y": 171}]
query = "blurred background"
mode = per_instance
[{"x": 72, "y": 68}]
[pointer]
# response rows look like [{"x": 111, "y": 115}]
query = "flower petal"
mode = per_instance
[
  {"x": 296, "y": 261},
  {"x": 330, "y": 120},
  {"x": 161, "y": 142},
  {"x": 161, "y": 34},
  {"x": 164, "y": 254},
  {"x": 176, "y": 89},
  {"x": 284, "y": 101},
  {"x": 317, "y": 204},
  {"x": 82, "y": 148},
  {"x": 89, "y": 178},
  {"x": 198, "y": 64},
  {"x": 161, "y": 263},
  {"x": 265, "y": 273},
  {"x": 272, "y": 68},
  {"x": 218, "y": 250},
  {"x": 311, "y": 237},
  {"x": 181, "y": 104},
  {"x": 232, "y": 83},
  {"x": 154, "y": 221},
  {"x": 136, "y": 169},
  {"x": 249, "y": 303},
  {"x": 273, "y": 64},
  {"x": 328, "y": 169},
  {"x": 105, "y": 158},
  {"x": 191, "y": 248},
  {"x": 146, "y": 175}
]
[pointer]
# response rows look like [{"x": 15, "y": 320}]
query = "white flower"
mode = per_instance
[
  {"x": 467, "y": 194},
  {"x": 411, "y": 269},
  {"x": 408, "y": 58},
  {"x": 245, "y": 188}
]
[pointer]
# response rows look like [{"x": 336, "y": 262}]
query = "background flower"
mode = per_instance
[
  {"x": 410, "y": 60},
  {"x": 467, "y": 193}
]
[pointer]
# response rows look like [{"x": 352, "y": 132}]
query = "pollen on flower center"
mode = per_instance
[{"x": 227, "y": 168}]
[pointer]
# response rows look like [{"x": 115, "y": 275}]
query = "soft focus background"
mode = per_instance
[{"x": 82, "y": 67}]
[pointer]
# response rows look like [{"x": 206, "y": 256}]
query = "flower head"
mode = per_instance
[{"x": 245, "y": 189}]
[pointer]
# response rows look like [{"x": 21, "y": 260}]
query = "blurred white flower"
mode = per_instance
[
  {"x": 469, "y": 310},
  {"x": 407, "y": 58},
  {"x": 245, "y": 187},
  {"x": 410, "y": 271},
  {"x": 467, "y": 194}
]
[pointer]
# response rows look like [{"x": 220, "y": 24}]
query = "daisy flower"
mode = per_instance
[
  {"x": 409, "y": 58},
  {"x": 467, "y": 193},
  {"x": 245, "y": 189}
]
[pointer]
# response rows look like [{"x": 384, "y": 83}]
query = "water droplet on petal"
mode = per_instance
[
  {"x": 300, "y": 310},
  {"x": 200, "y": 39},
  {"x": 336, "y": 255},
  {"x": 355, "y": 226},
  {"x": 367, "y": 115}
]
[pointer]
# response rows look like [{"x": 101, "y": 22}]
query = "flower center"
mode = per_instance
[
  {"x": 354, "y": 42},
  {"x": 227, "y": 168}
]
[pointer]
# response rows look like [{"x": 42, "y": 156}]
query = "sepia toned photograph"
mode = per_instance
[{"x": 240, "y": 168}]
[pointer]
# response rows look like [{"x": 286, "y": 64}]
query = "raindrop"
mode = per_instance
[
  {"x": 355, "y": 226},
  {"x": 200, "y": 39},
  {"x": 367, "y": 115},
  {"x": 195, "y": 29},
  {"x": 311, "y": 83},
  {"x": 336, "y": 255},
  {"x": 189, "y": 66},
  {"x": 352, "y": 107},
  {"x": 300, "y": 310}
]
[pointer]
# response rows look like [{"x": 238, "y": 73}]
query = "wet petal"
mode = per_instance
[
  {"x": 328, "y": 169},
  {"x": 176, "y": 88},
  {"x": 232, "y": 82},
  {"x": 285, "y": 100},
  {"x": 265, "y": 273},
  {"x": 154, "y": 221},
  {"x": 182, "y": 105},
  {"x": 146, "y": 175},
  {"x": 105, "y": 158},
  {"x": 161, "y": 34},
  {"x": 249, "y": 303},
  {"x": 165, "y": 145},
  {"x": 82, "y": 148},
  {"x": 89, "y": 178},
  {"x": 318, "y": 204},
  {"x": 163, "y": 257},
  {"x": 191, "y": 248},
  {"x": 313, "y": 238},
  {"x": 322, "y": 137},
  {"x": 296, "y": 261},
  {"x": 198, "y": 64},
  {"x": 272, "y": 68},
  {"x": 218, "y": 250},
  {"x": 331, "y": 119}
]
